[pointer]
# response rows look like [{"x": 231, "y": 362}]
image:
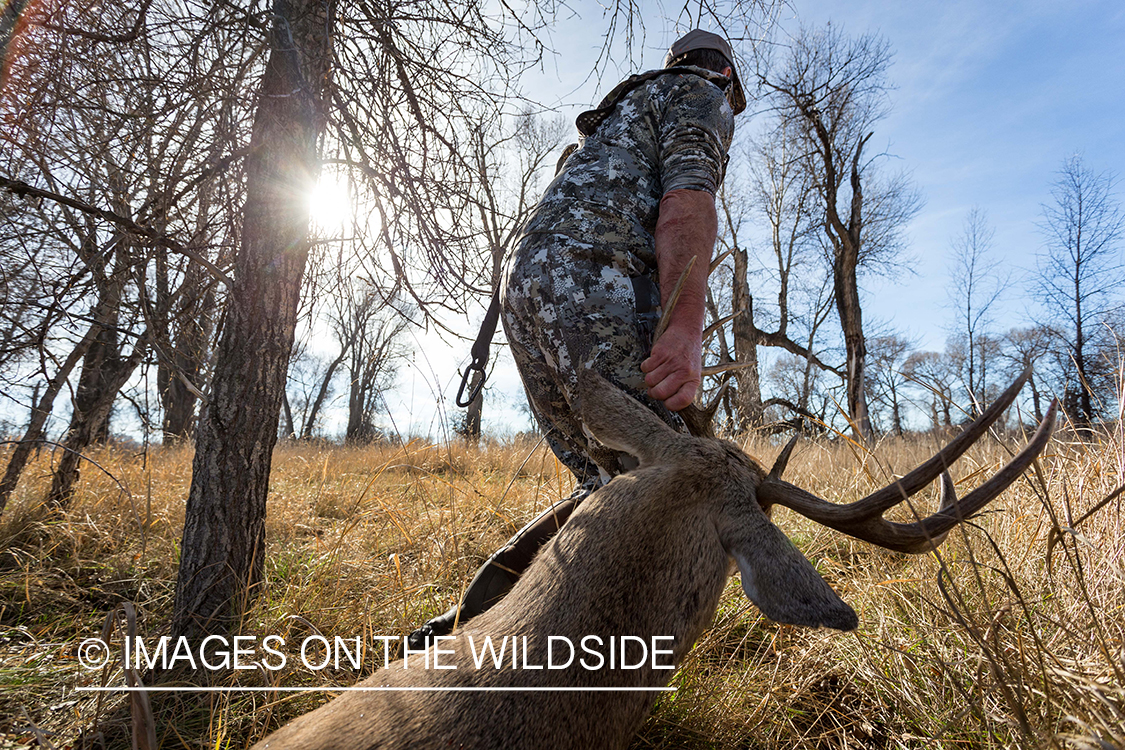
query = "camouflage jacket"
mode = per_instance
[{"x": 669, "y": 133}]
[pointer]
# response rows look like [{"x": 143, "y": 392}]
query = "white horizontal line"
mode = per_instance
[{"x": 357, "y": 689}]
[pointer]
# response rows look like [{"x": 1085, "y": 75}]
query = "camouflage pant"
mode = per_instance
[{"x": 569, "y": 305}]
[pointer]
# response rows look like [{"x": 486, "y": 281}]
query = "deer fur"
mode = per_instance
[{"x": 647, "y": 555}]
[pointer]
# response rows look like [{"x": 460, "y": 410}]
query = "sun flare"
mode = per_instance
[{"x": 330, "y": 203}]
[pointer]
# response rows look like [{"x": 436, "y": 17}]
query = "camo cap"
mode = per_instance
[{"x": 700, "y": 39}]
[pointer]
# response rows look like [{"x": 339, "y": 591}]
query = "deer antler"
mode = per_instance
[{"x": 864, "y": 520}]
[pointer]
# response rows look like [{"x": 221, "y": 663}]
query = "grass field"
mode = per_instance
[{"x": 1013, "y": 635}]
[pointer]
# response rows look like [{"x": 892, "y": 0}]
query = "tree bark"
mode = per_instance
[
  {"x": 1085, "y": 411},
  {"x": 896, "y": 412},
  {"x": 749, "y": 404},
  {"x": 89, "y": 419},
  {"x": 104, "y": 374},
  {"x": 855, "y": 344},
  {"x": 287, "y": 417},
  {"x": 184, "y": 357},
  {"x": 1035, "y": 398},
  {"x": 846, "y": 239},
  {"x": 473, "y": 416},
  {"x": 223, "y": 544}
]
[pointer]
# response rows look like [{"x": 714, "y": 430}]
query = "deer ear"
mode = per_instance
[
  {"x": 619, "y": 421},
  {"x": 780, "y": 581}
]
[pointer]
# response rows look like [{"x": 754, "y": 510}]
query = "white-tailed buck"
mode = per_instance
[{"x": 634, "y": 577}]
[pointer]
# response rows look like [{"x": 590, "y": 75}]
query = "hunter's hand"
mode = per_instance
[{"x": 673, "y": 370}]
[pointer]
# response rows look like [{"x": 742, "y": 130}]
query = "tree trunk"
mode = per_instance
[
  {"x": 976, "y": 394},
  {"x": 360, "y": 429},
  {"x": 39, "y": 415},
  {"x": 1035, "y": 398},
  {"x": 846, "y": 242},
  {"x": 896, "y": 412},
  {"x": 287, "y": 417},
  {"x": 165, "y": 375},
  {"x": 807, "y": 374},
  {"x": 179, "y": 405},
  {"x": 321, "y": 395},
  {"x": 745, "y": 345},
  {"x": 356, "y": 431},
  {"x": 88, "y": 423},
  {"x": 223, "y": 544},
  {"x": 473, "y": 417},
  {"x": 104, "y": 374},
  {"x": 1084, "y": 415},
  {"x": 855, "y": 346}
]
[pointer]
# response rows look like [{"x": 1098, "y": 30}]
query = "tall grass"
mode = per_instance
[{"x": 1012, "y": 635}]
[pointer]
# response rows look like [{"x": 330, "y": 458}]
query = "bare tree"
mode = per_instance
[
  {"x": 373, "y": 361},
  {"x": 936, "y": 375},
  {"x": 742, "y": 349},
  {"x": 1080, "y": 271},
  {"x": 510, "y": 162},
  {"x": 223, "y": 548},
  {"x": 310, "y": 387},
  {"x": 977, "y": 283},
  {"x": 886, "y": 380},
  {"x": 105, "y": 369},
  {"x": 778, "y": 193},
  {"x": 828, "y": 94},
  {"x": 1023, "y": 348}
]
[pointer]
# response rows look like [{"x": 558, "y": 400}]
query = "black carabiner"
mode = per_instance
[
  {"x": 476, "y": 389},
  {"x": 480, "y": 352}
]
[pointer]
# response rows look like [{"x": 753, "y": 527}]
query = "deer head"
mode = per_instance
[{"x": 775, "y": 576}]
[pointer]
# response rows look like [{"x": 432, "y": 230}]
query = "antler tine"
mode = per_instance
[
  {"x": 783, "y": 458},
  {"x": 948, "y": 517},
  {"x": 700, "y": 420},
  {"x": 893, "y": 494},
  {"x": 709, "y": 331},
  {"x": 948, "y": 500},
  {"x": 728, "y": 367},
  {"x": 719, "y": 259},
  {"x": 864, "y": 519}
]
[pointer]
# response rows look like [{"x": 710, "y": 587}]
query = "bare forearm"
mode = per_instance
[{"x": 686, "y": 228}]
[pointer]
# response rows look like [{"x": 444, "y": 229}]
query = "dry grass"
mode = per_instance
[{"x": 1002, "y": 640}]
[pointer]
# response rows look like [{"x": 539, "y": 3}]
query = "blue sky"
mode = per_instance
[{"x": 990, "y": 99}]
